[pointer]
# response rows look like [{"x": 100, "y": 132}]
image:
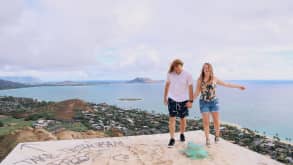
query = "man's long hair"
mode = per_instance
[{"x": 175, "y": 63}]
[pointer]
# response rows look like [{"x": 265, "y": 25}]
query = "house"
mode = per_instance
[{"x": 41, "y": 123}]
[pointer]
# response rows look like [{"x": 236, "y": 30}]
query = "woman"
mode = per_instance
[{"x": 209, "y": 104}]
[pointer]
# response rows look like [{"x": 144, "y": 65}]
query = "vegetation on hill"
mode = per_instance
[
  {"x": 32, "y": 109},
  {"x": 10, "y": 124},
  {"x": 4, "y": 84},
  {"x": 66, "y": 110}
]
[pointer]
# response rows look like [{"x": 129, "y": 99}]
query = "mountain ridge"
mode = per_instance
[
  {"x": 5, "y": 84},
  {"x": 22, "y": 79}
]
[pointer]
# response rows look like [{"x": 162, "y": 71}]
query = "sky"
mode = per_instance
[{"x": 122, "y": 39}]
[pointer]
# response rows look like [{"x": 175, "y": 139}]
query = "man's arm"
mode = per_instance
[
  {"x": 190, "y": 101},
  {"x": 190, "y": 92},
  {"x": 197, "y": 90},
  {"x": 167, "y": 85}
]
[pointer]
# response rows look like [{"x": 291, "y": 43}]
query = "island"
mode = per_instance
[
  {"x": 144, "y": 80},
  {"x": 130, "y": 99}
]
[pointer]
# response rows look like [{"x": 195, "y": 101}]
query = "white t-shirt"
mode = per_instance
[{"x": 179, "y": 85}]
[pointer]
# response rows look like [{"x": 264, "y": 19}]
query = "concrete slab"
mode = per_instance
[{"x": 145, "y": 149}]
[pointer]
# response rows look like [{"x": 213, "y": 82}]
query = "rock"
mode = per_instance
[
  {"x": 67, "y": 134},
  {"x": 64, "y": 135},
  {"x": 91, "y": 132},
  {"x": 27, "y": 134},
  {"x": 27, "y": 128}
]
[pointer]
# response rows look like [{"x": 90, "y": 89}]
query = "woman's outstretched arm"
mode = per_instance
[
  {"x": 197, "y": 90},
  {"x": 229, "y": 85}
]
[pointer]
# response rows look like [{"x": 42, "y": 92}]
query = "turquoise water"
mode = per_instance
[{"x": 264, "y": 106}]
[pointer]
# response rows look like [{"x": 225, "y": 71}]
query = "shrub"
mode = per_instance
[
  {"x": 1, "y": 124},
  {"x": 37, "y": 116}
]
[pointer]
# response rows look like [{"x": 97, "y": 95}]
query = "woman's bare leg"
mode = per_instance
[
  {"x": 216, "y": 119},
  {"x": 206, "y": 123}
]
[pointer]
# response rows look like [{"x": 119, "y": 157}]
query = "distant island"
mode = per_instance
[
  {"x": 21, "y": 83},
  {"x": 65, "y": 83},
  {"x": 130, "y": 99},
  {"x": 144, "y": 80}
]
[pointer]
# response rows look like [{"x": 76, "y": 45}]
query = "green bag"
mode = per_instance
[{"x": 195, "y": 151}]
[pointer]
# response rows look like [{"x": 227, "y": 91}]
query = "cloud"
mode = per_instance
[{"x": 57, "y": 40}]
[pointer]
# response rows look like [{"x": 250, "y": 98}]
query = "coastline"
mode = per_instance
[
  {"x": 234, "y": 112},
  {"x": 232, "y": 124},
  {"x": 111, "y": 119},
  {"x": 258, "y": 133}
]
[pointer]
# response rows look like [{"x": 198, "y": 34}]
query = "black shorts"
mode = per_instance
[{"x": 177, "y": 109}]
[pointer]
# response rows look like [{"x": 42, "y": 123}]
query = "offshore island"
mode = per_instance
[
  {"x": 130, "y": 99},
  {"x": 29, "y": 120}
]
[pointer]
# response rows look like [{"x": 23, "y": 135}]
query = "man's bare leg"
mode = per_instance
[
  {"x": 172, "y": 122},
  {"x": 182, "y": 129},
  {"x": 182, "y": 125}
]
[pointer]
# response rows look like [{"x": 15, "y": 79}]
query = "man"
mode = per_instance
[{"x": 178, "y": 95}]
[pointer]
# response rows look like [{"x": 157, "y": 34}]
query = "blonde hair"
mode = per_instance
[
  {"x": 175, "y": 63},
  {"x": 202, "y": 75}
]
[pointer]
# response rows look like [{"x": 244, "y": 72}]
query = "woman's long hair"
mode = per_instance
[
  {"x": 175, "y": 63},
  {"x": 202, "y": 75}
]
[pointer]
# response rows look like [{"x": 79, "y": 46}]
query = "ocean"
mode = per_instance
[{"x": 265, "y": 106}]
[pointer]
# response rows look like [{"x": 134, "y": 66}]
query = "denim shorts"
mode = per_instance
[
  {"x": 209, "y": 106},
  {"x": 177, "y": 109}
]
